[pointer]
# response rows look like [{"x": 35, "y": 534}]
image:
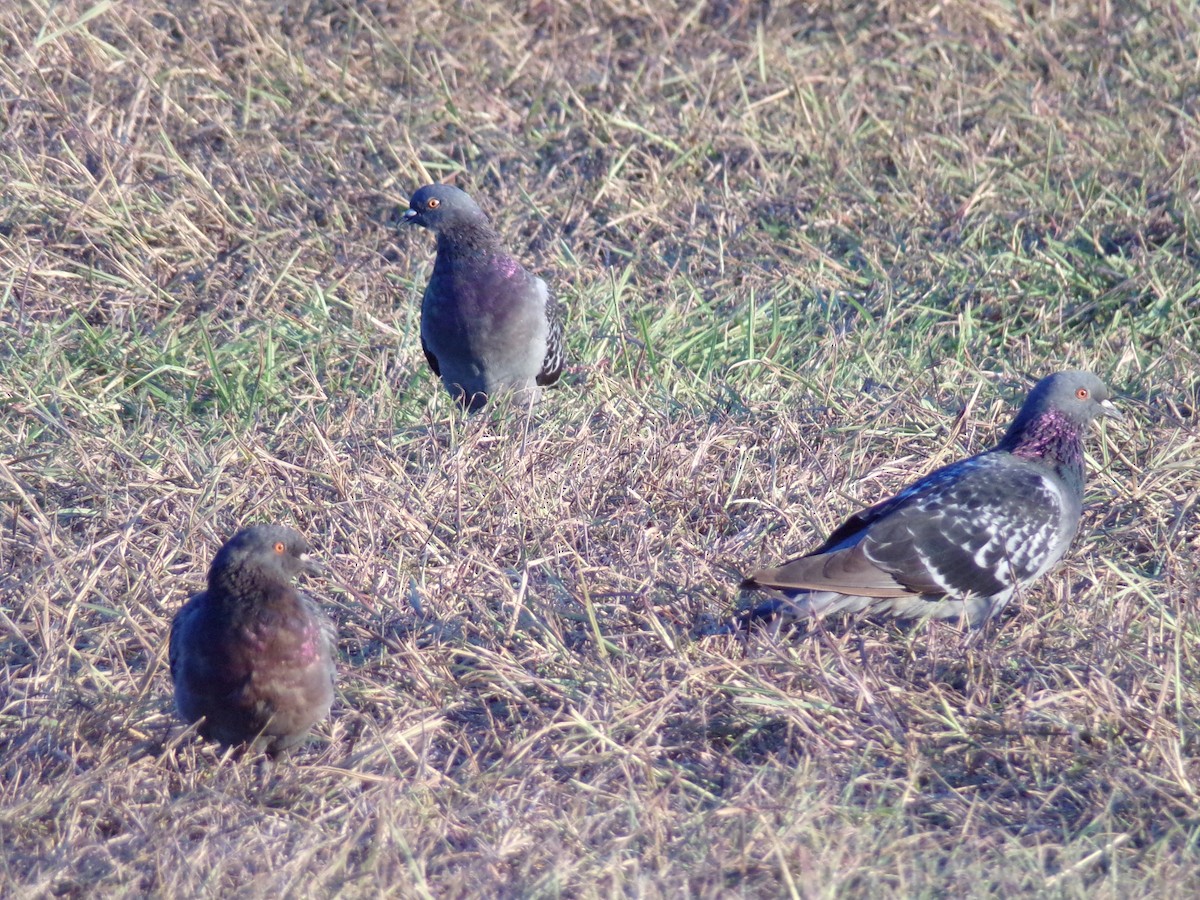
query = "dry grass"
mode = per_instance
[{"x": 808, "y": 255}]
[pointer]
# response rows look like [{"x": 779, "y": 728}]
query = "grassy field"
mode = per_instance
[{"x": 809, "y": 252}]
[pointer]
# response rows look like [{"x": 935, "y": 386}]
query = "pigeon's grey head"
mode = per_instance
[
  {"x": 1077, "y": 396},
  {"x": 272, "y": 550},
  {"x": 442, "y": 207}
]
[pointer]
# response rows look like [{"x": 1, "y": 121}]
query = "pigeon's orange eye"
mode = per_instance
[
  {"x": 279, "y": 548},
  {"x": 433, "y": 203},
  {"x": 1082, "y": 393}
]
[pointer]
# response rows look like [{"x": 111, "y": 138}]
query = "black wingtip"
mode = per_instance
[
  {"x": 742, "y": 623},
  {"x": 760, "y": 615}
]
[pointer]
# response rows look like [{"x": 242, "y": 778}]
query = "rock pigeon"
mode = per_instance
[
  {"x": 487, "y": 325},
  {"x": 962, "y": 540},
  {"x": 252, "y": 656}
]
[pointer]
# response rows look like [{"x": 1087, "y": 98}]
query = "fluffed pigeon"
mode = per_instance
[
  {"x": 962, "y": 540},
  {"x": 252, "y": 656},
  {"x": 487, "y": 325}
]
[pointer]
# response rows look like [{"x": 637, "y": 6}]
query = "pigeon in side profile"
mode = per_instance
[
  {"x": 487, "y": 325},
  {"x": 252, "y": 656},
  {"x": 962, "y": 540}
]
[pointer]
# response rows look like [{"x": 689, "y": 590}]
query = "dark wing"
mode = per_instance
[
  {"x": 430, "y": 358},
  {"x": 175, "y": 640},
  {"x": 556, "y": 351},
  {"x": 206, "y": 663},
  {"x": 972, "y": 528}
]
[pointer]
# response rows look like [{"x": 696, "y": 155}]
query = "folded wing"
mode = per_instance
[{"x": 974, "y": 528}]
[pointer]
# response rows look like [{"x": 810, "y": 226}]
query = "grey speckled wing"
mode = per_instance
[{"x": 976, "y": 527}]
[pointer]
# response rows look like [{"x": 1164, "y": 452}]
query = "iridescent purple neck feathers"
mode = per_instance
[{"x": 1053, "y": 439}]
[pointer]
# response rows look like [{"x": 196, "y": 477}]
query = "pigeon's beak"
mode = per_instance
[
  {"x": 410, "y": 216},
  {"x": 1109, "y": 411},
  {"x": 313, "y": 567}
]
